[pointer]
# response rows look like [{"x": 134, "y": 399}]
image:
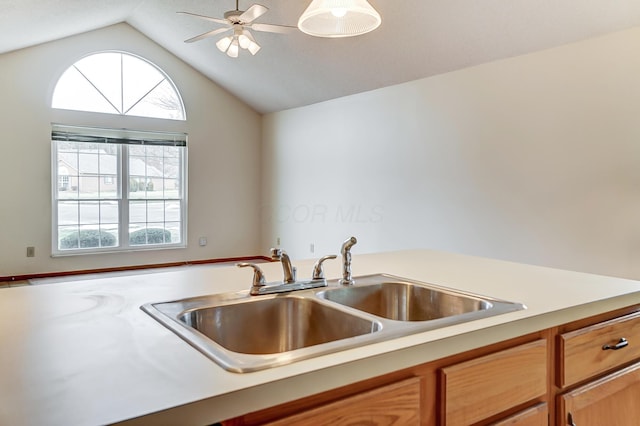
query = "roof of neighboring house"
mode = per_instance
[{"x": 103, "y": 163}]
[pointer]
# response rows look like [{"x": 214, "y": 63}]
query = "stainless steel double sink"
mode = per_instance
[{"x": 244, "y": 333}]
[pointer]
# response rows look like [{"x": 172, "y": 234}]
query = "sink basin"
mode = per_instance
[
  {"x": 244, "y": 333},
  {"x": 404, "y": 301},
  {"x": 275, "y": 325}
]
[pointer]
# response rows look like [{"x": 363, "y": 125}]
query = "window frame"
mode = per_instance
[{"x": 123, "y": 198}]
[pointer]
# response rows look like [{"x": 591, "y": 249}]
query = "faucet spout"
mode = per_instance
[
  {"x": 346, "y": 261},
  {"x": 287, "y": 268}
]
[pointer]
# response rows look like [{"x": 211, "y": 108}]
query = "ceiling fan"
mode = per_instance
[{"x": 240, "y": 22}]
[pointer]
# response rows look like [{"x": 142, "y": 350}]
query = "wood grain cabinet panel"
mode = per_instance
[
  {"x": 486, "y": 386},
  {"x": 397, "y": 404},
  {"x": 612, "y": 401},
  {"x": 582, "y": 355},
  {"x": 537, "y": 415}
]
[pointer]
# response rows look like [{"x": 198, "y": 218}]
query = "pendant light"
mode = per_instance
[{"x": 339, "y": 18}]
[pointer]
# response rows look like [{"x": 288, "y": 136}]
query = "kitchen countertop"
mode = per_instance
[{"x": 83, "y": 352}]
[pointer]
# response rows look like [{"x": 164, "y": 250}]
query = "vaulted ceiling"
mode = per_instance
[{"x": 417, "y": 38}]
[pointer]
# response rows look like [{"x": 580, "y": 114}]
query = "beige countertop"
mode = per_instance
[{"x": 83, "y": 353}]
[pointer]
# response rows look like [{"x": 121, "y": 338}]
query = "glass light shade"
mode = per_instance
[
  {"x": 234, "y": 48},
  {"x": 224, "y": 43},
  {"x": 244, "y": 41},
  {"x": 254, "y": 47},
  {"x": 339, "y": 18}
]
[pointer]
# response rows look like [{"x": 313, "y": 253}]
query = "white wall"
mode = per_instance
[
  {"x": 534, "y": 159},
  {"x": 224, "y": 156}
]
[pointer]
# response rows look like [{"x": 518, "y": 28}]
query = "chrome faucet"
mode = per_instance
[
  {"x": 346, "y": 261},
  {"x": 258, "y": 276},
  {"x": 287, "y": 268}
]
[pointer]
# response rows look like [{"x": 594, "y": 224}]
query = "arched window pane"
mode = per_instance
[
  {"x": 73, "y": 91},
  {"x": 118, "y": 83},
  {"x": 103, "y": 72},
  {"x": 139, "y": 79},
  {"x": 161, "y": 102}
]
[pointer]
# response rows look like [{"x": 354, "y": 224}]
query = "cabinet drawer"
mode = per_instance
[
  {"x": 394, "y": 404},
  {"x": 582, "y": 354},
  {"x": 537, "y": 415},
  {"x": 486, "y": 386}
]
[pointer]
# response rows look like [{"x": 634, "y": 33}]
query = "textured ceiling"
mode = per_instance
[{"x": 417, "y": 38}]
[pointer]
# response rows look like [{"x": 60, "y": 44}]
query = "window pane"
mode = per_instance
[
  {"x": 109, "y": 185},
  {"x": 172, "y": 189},
  {"x": 109, "y": 236},
  {"x": 73, "y": 91},
  {"x": 155, "y": 211},
  {"x": 88, "y": 187},
  {"x": 161, "y": 102},
  {"x": 109, "y": 212},
  {"x": 89, "y": 213},
  {"x": 172, "y": 211},
  {"x": 140, "y": 77},
  {"x": 88, "y": 163},
  {"x": 175, "y": 229},
  {"x": 67, "y": 213},
  {"x": 68, "y": 237},
  {"x": 137, "y": 212}
]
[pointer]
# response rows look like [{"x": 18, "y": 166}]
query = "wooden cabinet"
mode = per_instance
[
  {"x": 613, "y": 400},
  {"x": 477, "y": 389},
  {"x": 552, "y": 377},
  {"x": 584, "y": 355},
  {"x": 395, "y": 404}
]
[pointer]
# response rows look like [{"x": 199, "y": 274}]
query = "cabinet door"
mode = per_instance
[
  {"x": 613, "y": 401},
  {"x": 483, "y": 387},
  {"x": 394, "y": 404}
]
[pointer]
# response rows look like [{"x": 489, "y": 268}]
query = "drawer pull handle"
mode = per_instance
[{"x": 622, "y": 343}]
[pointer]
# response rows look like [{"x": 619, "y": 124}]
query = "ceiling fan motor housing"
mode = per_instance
[{"x": 234, "y": 16}]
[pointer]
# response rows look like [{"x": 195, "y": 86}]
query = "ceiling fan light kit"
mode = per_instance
[
  {"x": 241, "y": 39},
  {"x": 339, "y": 18}
]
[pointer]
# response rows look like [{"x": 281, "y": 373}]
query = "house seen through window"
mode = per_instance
[{"x": 117, "y": 189}]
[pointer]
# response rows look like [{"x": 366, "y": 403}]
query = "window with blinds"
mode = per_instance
[{"x": 117, "y": 189}]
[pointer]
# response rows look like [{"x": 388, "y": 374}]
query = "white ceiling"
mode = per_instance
[{"x": 417, "y": 38}]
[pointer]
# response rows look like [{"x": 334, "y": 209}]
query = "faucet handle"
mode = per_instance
[
  {"x": 276, "y": 253},
  {"x": 258, "y": 275},
  {"x": 318, "y": 272}
]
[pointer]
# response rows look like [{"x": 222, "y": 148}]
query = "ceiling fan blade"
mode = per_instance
[
  {"x": 254, "y": 12},
  {"x": 208, "y": 18},
  {"x": 207, "y": 34},
  {"x": 270, "y": 28}
]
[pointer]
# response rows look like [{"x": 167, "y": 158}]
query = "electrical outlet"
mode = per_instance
[
  {"x": 203, "y": 241},
  {"x": 312, "y": 247},
  {"x": 278, "y": 241},
  {"x": 31, "y": 252}
]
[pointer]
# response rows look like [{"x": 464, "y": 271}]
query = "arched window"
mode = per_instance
[
  {"x": 118, "y": 83},
  {"x": 117, "y": 189}
]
